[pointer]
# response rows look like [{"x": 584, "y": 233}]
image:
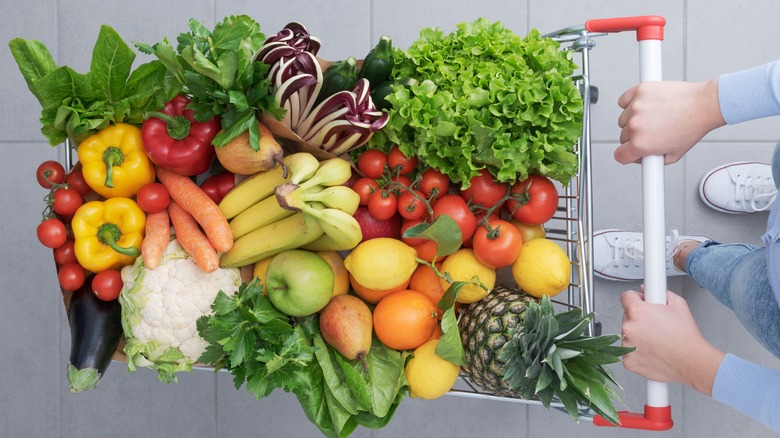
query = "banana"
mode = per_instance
[
  {"x": 339, "y": 225},
  {"x": 340, "y": 197},
  {"x": 327, "y": 243},
  {"x": 289, "y": 233},
  {"x": 265, "y": 212},
  {"x": 301, "y": 166},
  {"x": 332, "y": 172}
]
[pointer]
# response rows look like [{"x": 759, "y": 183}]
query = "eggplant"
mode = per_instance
[{"x": 95, "y": 332}]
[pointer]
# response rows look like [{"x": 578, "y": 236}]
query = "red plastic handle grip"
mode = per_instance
[
  {"x": 647, "y": 27},
  {"x": 655, "y": 419}
]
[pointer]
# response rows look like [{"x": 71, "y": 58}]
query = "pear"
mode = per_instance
[{"x": 346, "y": 325}]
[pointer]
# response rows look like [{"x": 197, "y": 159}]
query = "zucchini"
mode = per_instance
[
  {"x": 385, "y": 88},
  {"x": 340, "y": 76},
  {"x": 95, "y": 331},
  {"x": 378, "y": 65}
]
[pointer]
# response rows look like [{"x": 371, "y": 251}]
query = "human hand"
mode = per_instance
[
  {"x": 670, "y": 347},
  {"x": 666, "y": 118}
]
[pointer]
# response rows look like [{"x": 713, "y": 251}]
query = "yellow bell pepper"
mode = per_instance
[
  {"x": 108, "y": 233},
  {"x": 114, "y": 161}
]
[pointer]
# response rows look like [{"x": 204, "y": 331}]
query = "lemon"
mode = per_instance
[
  {"x": 463, "y": 265},
  {"x": 543, "y": 268},
  {"x": 429, "y": 375},
  {"x": 381, "y": 263},
  {"x": 260, "y": 268},
  {"x": 340, "y": 274}
]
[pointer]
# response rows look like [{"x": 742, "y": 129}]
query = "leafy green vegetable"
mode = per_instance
[
  {"x": 217, "y": 68},
  {"x": 485, "y": 98},
  {"x": 76, "y": 105}
]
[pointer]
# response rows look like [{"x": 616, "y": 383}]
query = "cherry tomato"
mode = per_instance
[
  {"x": 402, "y": 180},
  {"x": 484, "y": 190},
  {"x": 455, "y": 207},
  {"x": 50, "y": 172},
  {"x": 372, "y": 163},
  {"x": 365, "y": 187},
  {"x": 534, "y": 200},
  {"x": 153, "y": 198},
  {"x": 434, "y": 183},
  {"x": 412, "y": 241},
  {"x": 218, "y": 185},
  {"x": 529, "y": 231},
  {"x": 71, "y": 276},
  {"x": 65, "y": 254},
  {"x": 52, "y": 233},
  {"x": 411, "y": 205},
  {"x": 497, "y": 245},
  {"x": 382, "y": 205},
  {"x": 107, "y": 284},
  {"x": 399, "y": 163},
  {"x": 75, "y": 179},
  {"x": 66, "y": 201}
]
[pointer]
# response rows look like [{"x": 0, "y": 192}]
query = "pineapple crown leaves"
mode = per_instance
[{"x": 551, "y": 356}]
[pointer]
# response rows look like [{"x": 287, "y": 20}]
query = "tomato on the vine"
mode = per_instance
[
  {"x": 455, "y": 207},
  {"x": 153, "y": 198},
  {"x": 50, "y": 172},
  {"x": 52, "y": 233},
  {"x": 65, "y": 253},
  {"x": 412, "y": 241},
  {"x": 66, "y": 201},
  {"x": 75, "y": 179},
  {"x": 485, "y": 191},
  {"x": 365, "y": 187},
  {"x": 382, "y": 205},
  {"x": 411, "y": 205},
  {"x": 399, "y": 163},
  {"x": 434, "y": 183},
  {"x": 533, "y": 200},
  {"x": 71, "y": 276},
  {"x": 107, "y": 285},
  {"x": 497, "y": 245},
  {"x": 402, "y": 180},
  {"x": 372, "y": 163}
]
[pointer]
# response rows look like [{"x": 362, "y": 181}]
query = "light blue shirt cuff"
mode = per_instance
[
  {"x": 750, "y": 389},
  {"x": 750, "y": 94}
]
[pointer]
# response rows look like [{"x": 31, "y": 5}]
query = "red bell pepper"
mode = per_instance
[{"x": 174, "y": 140}]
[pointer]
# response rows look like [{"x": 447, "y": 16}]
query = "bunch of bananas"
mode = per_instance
[{"x": 310, "y": 208}]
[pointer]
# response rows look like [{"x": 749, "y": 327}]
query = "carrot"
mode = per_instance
[
  {"x": 197, "y": 203},
  {"x": 192, "y": 239},
  {"x": 158, "y": 234}
]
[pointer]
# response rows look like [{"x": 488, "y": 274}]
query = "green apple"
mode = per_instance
[{"x": 299, "y": 282}]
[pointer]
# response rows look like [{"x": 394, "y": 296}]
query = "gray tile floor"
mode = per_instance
[{"x": 703, "y": 38}]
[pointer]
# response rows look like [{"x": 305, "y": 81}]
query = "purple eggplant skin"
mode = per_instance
[{"x": 95, "y": 331}]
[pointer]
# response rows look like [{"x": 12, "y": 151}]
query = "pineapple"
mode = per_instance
[{"x": 517, "y": 346}]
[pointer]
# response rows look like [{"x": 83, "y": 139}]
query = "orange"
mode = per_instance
[
  {"x": 405, "y": 319},
  {"x": 372, "y": 296},
  {"x": 427, "y": 251},
  {"x": 437, "y": 333},
  {"x": 425, "y": 281}
]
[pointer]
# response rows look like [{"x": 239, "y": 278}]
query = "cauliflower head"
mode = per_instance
[{"x": 160, "y": 309}]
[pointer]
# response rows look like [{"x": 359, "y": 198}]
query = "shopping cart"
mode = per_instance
[{"x": 572, "y": 225}]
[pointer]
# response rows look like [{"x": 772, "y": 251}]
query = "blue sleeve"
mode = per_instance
[
  {"x": 750, "y": 389},
  {"x": 750, "y": 94}
]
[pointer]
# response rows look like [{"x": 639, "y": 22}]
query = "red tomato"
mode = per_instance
[
  {"x": 399, "y": 163},
  {"x": 498, "y": 246},
  {"x": 50, "y": 172},
  {"x": 434, "y": 183},
  {"x": 65, "y": 254},
  {"x": 402, "y": 180},
  {"x": 365, "y": 187},
  {"x": 76, "y": 181},
  {"x": 52, "y": 233},
  {"x": 218, "y": 185},
  {"x": 71, "y": 276},
  {"x": 372, "y": 163},
  {"x": 411, "y": 205},
  {"x": 107, "y": 284},
  {"x": 484, "y": 190},
  {"x": 382, "y": 205},
  {"x": 534, "y": 200},
  {"x": 153, "y": 198},
  {"x": 66, "y": 201},
  {"x": 412, "y": 241},
  {"x": 455, "y": 207}
]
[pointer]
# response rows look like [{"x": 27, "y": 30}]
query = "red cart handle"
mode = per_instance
[
  {"x": 654, "y": 419},
  {"x": 647, "y": 27}
]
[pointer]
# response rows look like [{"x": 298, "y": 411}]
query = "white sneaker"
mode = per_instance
[
  {"x": 738, "y": 188},
  {"x": 619, "y": 254}
]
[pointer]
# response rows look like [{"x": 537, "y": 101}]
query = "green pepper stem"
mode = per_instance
[
  {"x": 112, "y": 156},
  {"x": 178, "y": 126},
  {"x": 108, "y": 234}
]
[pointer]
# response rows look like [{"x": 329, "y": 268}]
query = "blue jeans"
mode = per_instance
[{"x": 737, "y": 275}]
